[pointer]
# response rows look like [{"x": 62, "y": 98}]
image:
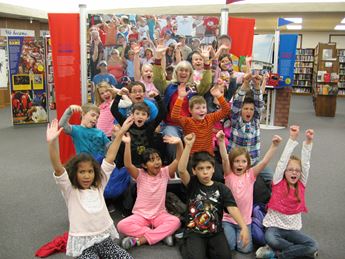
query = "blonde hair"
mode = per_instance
[
  {"x": 89, "y": 107},
  {"x": 146, "y": 65},
  {"x": 107, "y": 87},
  {"x": 186, "y": 65}
]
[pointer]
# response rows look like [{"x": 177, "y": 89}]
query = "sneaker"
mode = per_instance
[
  {"x": 169, "y": 241},
  {"x": 128, "y": 242},
  {"x": 265, "y": 252}
]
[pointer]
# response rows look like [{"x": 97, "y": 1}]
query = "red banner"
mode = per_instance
[
  {"x": 241, "y": 31},
  {"x": 65, "y": 41},
  {"x": 232, "y": 1}
]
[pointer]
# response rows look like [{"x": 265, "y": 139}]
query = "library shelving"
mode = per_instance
[
  {"x": 325, "y": 79},
  {"x": 341, "y": 84},
  {"x": 303, "y": 71}
]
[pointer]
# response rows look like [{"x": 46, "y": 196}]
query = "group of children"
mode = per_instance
[{"x": 218, "y": 215}]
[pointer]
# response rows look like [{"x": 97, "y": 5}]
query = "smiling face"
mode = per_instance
[
  {"x": 147, "y": 73},
  {"x": 204, "y": 171},
  {"x": 240, "y": 164},
  {"x": 89, "y": 119},
  {"x": 247, "y": 112},
  {"x": 225, "y": 64},
  {"x": 85, "y": 174},
  {"x": 105, "y": 94},
  {"x": 183, "y": 74},
  {"x": 199, "y": 111},
  {"x": 293, "y": 172},
  {"x": 153, "y": 165},
  {"x": 140, "y": 117},
  {"x": 137, "y": 94},
  {"x": 197, "y": 61}
]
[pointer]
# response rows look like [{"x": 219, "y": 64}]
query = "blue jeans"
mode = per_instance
[
  {"x": 232, "y": 234},
  {"x": 290, "y": 243},
  {"x": 171, "y": 149}
]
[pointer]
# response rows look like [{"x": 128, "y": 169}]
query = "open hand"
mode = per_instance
[
  {"x": 182, "y": 90},
  {"x": 171, "y": 140},
  {"x": 244, "y": 236},
  {"x": 53, "y": 130}
]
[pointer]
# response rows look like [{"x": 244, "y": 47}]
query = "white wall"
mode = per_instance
[{"x": 311, "y": 39}]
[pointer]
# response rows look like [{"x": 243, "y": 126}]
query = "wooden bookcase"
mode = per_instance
[
  {"x": 325, "y": 79},
  {"x": 341, "y": 84},
  {"x": 303, "y": 71}
]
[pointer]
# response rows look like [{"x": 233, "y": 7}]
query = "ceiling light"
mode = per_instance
[
  {"x": 294, "y": 27},
  {"x": 295, "y": 20},
  {"x": 340, "y": 27},
  {"x": 343, "y": 21}
]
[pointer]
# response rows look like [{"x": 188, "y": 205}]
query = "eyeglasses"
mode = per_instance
[{"x": 290, "y": 170}]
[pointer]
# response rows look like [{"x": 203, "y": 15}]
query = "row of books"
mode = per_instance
[
  {"x": 303, "y": 83},
  {"x": 305, "y": 58},
  {"x": 305, "y": 52},
  {"x": 303, "y": 70},
  {"x": 303, "y": 64}
]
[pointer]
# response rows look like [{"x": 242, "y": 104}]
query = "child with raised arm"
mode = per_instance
[
  {"x": 284, "y": 216},
  {"x": 245, "y": 120},
  {"x": 240, "y": 178},
  {"x": 206, "y": 201},
  {"x": 201, "y": 122},
  {"x": 86, "y": 137},
  {"x": 82, "y": 182},
  {"x": 150, "y": 222}
]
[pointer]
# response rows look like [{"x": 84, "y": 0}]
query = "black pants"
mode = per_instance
[
  {"x": 107, "y": 249},
  {"x": 196, "y": 246}
]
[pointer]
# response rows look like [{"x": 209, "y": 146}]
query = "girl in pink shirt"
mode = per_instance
[
  {"x": 240, "y": 178},
  {"x": 104, "y": 96},
  {"x": 82, "y": 182},
  {"x": 150, "y": 222},
  {"x": 284, "y": 215}
]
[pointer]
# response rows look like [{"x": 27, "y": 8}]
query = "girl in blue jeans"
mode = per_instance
[{"x": 283, "y": 219}]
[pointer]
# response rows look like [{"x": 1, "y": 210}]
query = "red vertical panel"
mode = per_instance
[{"x": 65, "y": 41}]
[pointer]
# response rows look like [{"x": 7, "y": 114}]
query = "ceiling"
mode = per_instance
[{"x": 320, "y": 16}]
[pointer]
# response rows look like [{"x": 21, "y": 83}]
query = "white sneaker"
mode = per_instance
[
  {"x": 169, "y": 241},
  {"x": 265, "y": 252}
]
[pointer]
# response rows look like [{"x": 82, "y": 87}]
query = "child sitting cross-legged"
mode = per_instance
[
  {"x": 150, "y": 222},
  {"x": 82, "y": 182},
  {"x": 240, "y": 178},
  {"x": 206, "y": 201}
]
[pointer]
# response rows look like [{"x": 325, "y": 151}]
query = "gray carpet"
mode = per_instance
[{"x": 33, "y": 211}]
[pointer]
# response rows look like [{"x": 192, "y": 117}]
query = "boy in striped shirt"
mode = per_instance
[{"x": 201, "y": 123}]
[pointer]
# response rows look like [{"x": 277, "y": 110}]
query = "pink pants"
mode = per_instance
[{"x": 154, "y": 230}]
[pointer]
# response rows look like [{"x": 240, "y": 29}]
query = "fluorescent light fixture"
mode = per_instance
[
  {"x": 343, "y": 21},
  {"x": 340, "y": 27},
  {"x": 294, "y": 27},
  {"x": 295, "y": 20}
]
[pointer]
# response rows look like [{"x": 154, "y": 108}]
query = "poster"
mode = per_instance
[
  {"x": 26, "y": 79},
  {"x": 3, "y": 63},
  {"x": 263, "y": 48},
  {"x": 286, "y": 59}
]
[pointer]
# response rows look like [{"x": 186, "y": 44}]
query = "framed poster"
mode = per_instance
[{"x": 26, "y": 79}]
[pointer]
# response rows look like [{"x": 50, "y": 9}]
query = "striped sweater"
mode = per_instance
[{"x": 201, "y": 128}]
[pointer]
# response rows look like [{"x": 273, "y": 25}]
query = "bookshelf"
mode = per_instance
[
  {"x": 325, "y": 79},
  {"x": 341, "y": 83},
  {"x": 303, "y": 71}
]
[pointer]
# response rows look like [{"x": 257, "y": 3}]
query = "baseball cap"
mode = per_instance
[{"x": 103, "y": 62}]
